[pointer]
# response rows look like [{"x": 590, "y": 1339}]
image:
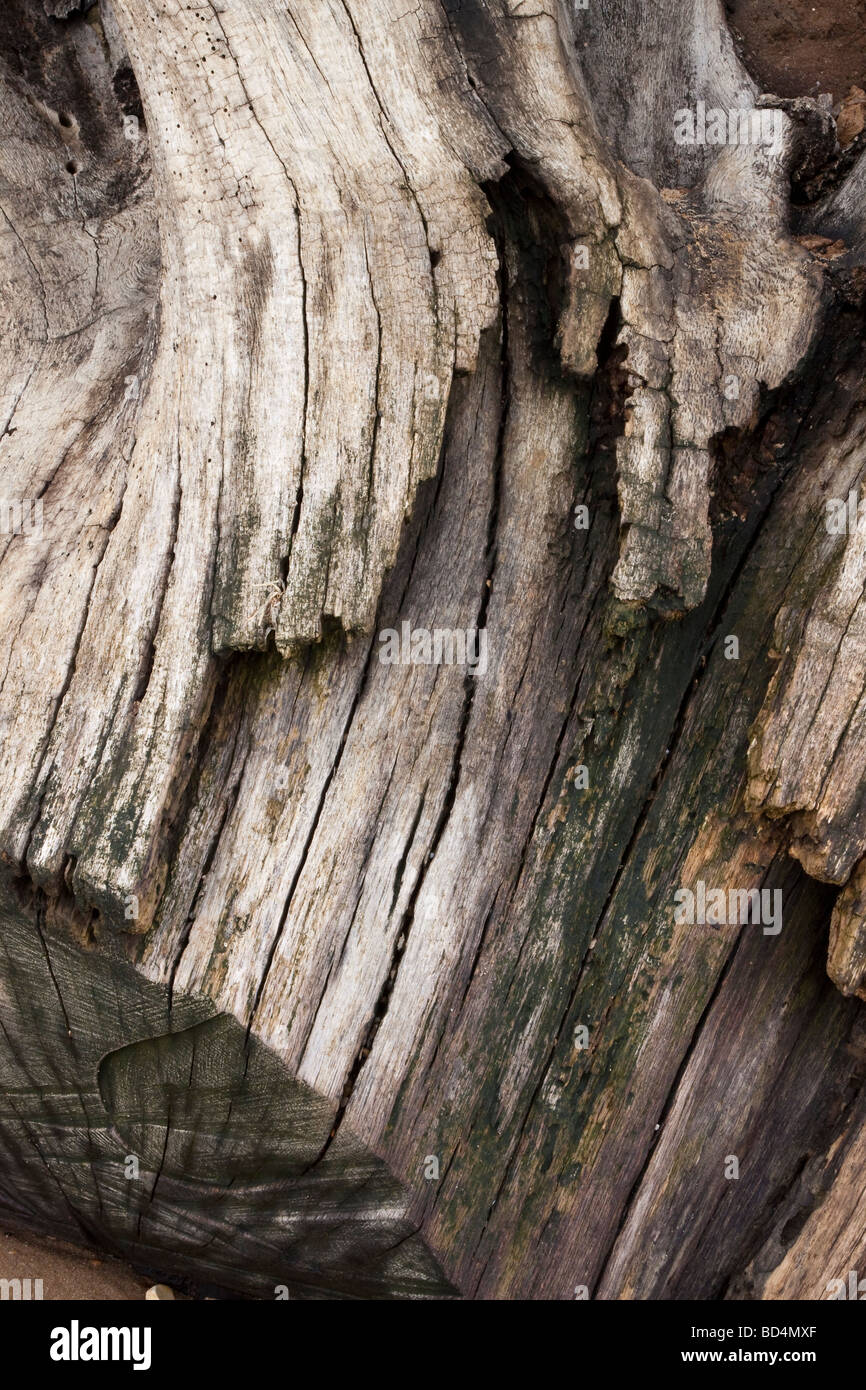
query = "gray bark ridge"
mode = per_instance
[{"x": 326, "y": 269}]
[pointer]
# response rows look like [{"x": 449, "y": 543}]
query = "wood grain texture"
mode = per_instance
[{"x": 373, "y": 304}]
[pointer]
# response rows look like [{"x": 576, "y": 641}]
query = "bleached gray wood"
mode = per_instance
[{"x": 374, "y": 301}]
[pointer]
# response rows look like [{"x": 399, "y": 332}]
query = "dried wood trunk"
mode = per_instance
[{"x": 327, "y": 324}]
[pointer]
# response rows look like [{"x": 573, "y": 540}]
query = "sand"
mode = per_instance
[{"x": 68, "y": 1272}]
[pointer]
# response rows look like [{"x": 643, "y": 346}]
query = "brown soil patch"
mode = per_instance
[{"x": 795, "y": 48}]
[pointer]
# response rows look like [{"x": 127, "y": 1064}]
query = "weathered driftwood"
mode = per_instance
[{"x": 320, "y": 320}]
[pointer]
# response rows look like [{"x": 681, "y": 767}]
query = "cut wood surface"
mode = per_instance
[{"x": 326, "y": 325}]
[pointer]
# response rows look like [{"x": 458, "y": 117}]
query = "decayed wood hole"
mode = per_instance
[{"x": 322, "y": 320}]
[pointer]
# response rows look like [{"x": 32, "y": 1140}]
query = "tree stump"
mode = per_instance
[{"x": 433, "y": 692}]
